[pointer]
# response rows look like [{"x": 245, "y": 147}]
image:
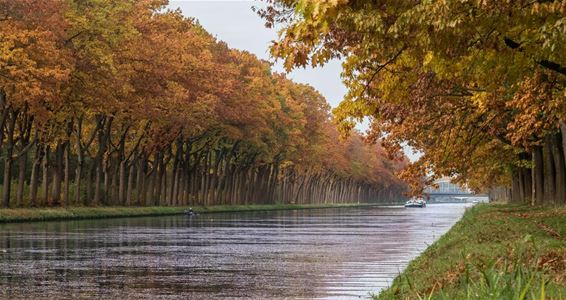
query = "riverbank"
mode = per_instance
[
  {"x": 493, "y": 252},
  {"x": 76, "y": 213}
]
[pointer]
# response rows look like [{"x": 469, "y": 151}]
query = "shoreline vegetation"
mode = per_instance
[
  {"x": 19, "y": 215},
  {"x": 103, "y": 123},
  {"x": 494, "y": 252}
]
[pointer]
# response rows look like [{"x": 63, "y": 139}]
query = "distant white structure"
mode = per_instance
[
  {"x": 445, "y": 187},
  {"x": 450, "y": 192}
]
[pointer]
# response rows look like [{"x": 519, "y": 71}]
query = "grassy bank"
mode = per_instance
[
  {"x": 74, "y": 213},
  {"x": 494, "y": 252}
]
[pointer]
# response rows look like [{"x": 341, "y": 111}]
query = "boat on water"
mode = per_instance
[{"x": 416, "y": 202}]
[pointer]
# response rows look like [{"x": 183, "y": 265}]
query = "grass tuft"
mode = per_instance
[{"x": 493, "y": 252}]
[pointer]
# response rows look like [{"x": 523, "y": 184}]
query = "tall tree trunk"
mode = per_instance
[
  {"x": 81, "y": 149},
  {"x": 538, "y": 175},
  {"x": 8, "y": 161},
  {"x": 144, "y": 166},
  {"x": 78, "y": 183},
  {"x": 66, "y": 173},
  {"x": 45, "y": 181},
  {"x": 139, "y": 188},
  {"x": 150, "y": 181},
  {"x": 122, "y": 183},
  {"x": 89, "y": 181},
  {"x": 4, "y": 116},
  {"x": 34, "y": 182},
  {"x": 159, "y": 177},
  {"x": 113, "y": 195},
  {"x": 22, "y": 157},
  {"x": 103, "y": 136},
  {"x": 97, "y": 179},
  {"x": 516, "y": 186},
  {"x": 175, "y": 174},
  {"x": 562, "y": 146},
  {"x": 528, "y": 185},
  {"x": 130, "y": 184},
  {"x": 7, "y": 181},
  {"x": 548, "y": 169},
  {"x": 187, "y": 165},
  {"x": 57, "y": 174},
  {"x": 106, "y": 182},
  {"x": 563, "y": 137},
  {"x": 22, "y": 163},
  {"x": 559, "y": 167}
]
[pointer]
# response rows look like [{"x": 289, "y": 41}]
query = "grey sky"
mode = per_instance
[{"x": 236, "y": 24}]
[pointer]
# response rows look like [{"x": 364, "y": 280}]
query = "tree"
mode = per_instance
[
  {"x": 147, "y": 108},
  {"x": 477, "y": 86}
]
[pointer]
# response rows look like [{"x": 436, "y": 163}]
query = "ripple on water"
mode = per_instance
[{"x": 324, "y": 254}]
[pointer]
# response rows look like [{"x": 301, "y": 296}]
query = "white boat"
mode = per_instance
[{"x": 416, "y": 202}]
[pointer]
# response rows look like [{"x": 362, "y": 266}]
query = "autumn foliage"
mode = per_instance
[
  {"x": 127, "y": 103},
  {"x": 477, "y": 86}
]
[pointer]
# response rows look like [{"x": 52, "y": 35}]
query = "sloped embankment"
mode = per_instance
[{"x": 493, "y": 252}]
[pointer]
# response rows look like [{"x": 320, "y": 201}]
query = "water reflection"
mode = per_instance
[{"x": 327, "y": 253}]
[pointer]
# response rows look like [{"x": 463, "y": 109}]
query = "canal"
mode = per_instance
[{"x": 304, "y": 254}]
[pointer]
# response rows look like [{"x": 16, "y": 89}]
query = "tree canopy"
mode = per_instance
[
  {"x": 477, "y": 86},
  {"x": 131, "y": 103}
]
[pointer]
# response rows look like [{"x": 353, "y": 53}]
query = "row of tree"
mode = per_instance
[
  {"x": 477, "y": 86},
  {"x": 126, "y": 103}
]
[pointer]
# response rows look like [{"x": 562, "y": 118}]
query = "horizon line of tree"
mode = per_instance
[{"x": 128, "y": 103}]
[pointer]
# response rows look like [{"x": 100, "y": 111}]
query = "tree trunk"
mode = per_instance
[
  {"x": 22, "y": 163},
  {"x": 175, "y": 175},
  {"x": 142, "y": 199},
  {"x": 78, "y": 176},
  {"x": 97, "y": 179},
  {"x": 528, "y": 185},
  {"x": 5, "y": 112},
  {"x": 139, "y": 182},
  {"x": 35, "y": 175},
  {"x": 563, "y": 137},
  {"x": 548, "y": 169},
  {"x": 89, "y": 182},
  {"x": 537, "y": 177},
  {"x": 45, "y": 182},
  {"x": 103, "y": 136},
  {"x": 106, "y": 184},
  {"x": 122, "y": 183},
  {"x": 8, "y": 161},
  {"x": 57, "y": 174},
  {"x": 7, "y": 182},
  {"x": 159, "y": 177},
  {"x": 559, "y": 167},
  {"x": 66, "y": 173},
  {"x": 150, "y": 179},
  {"x": 130, "y": 185}
]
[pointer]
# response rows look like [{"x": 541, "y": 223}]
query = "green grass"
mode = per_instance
[
  {"x": 493, "y": 252},
  {"x": 74, "y": 213}
]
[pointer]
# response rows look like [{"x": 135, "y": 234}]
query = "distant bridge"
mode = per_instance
[
  {"x": 450, "y": 192},
  {"x": 445, "y": 187}
]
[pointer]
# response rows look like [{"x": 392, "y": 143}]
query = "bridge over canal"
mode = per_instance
[{"x": 450, "y": 192}]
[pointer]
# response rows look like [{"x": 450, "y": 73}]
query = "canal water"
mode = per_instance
[{"x": 305, "y": 254}]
